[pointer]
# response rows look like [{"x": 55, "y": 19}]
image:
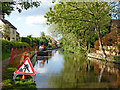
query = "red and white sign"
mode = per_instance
[{"x": 25, "y": 68}]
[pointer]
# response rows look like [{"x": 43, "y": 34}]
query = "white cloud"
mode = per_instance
[
  {"x": 19, "y": 18},
  {"x": 35, "y": 20}
]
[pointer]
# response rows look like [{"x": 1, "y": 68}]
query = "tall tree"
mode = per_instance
[
  {"x": 42, "y": 34},
  {"x": 81, "y": 18},
  {"x": 43, "y": 37}
]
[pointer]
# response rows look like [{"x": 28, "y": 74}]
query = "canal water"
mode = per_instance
[{"x": 75, "y": 71}]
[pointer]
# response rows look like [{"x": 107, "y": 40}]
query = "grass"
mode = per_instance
[
  {"x": 31, "y": 53},
  {"x": 5, "y": 56},
  {"x": 19, "y": 83}
]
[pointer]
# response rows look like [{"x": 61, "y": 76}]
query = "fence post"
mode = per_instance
[
  {"x": 11, "y": 57},
  {"x": 47, "y": 48},
  {"x": 37, "y": 48}
]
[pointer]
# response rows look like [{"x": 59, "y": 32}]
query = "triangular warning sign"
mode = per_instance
[{"x": 25, "y": 68}]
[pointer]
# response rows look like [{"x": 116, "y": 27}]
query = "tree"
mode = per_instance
[
  {"x": 48, "y": 38},
  {"x": 43, "y": 38},
  {"x": 5, "y": 31},
  {"x": 31, "y": 39},
  {"x": 8, "y": 7},
  {"x": 29, "y": 36},
  {"x": 42, "y": 34},
  {"x": 81, "y": 18}
]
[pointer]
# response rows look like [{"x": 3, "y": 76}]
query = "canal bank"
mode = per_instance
[{"x": 110, "y": 58}]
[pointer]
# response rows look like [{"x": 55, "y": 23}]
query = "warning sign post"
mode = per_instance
[{"x": 25, "y": 68}]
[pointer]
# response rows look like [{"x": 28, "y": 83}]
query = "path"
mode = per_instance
[{"x": 3, "y": 65}]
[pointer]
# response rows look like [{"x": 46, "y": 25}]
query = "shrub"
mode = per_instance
[
  {"x": 25, "y": 39},
  {"x": 7, "y": 45}
]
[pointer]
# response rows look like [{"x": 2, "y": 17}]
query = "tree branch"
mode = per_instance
[{"x": 81, "y": 10}]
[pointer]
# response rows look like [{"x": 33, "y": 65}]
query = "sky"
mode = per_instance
[{"x": 31, "y": 21}]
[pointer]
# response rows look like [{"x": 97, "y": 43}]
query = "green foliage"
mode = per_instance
[
  {"x": 79, "y": 22},
  {"x": 7, "y": 45},
  {"x": 88, "y": 61},
  {"x": 36, "y": 41},
  {"x": 5, "y": 55},
  {"x": 44, "y": 38},
  {"x": 42, "y": 34},
  {"x": 88, "y": 51},
  {"x": 48, "y": 39},
  {"x": 31, "y": 41},
  {"x": 8, "y": 7},
  {"x": 25, "y": 39}
]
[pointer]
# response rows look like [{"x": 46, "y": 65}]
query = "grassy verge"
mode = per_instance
[
  {"x": 5, "y": 56},
  {"x": 19, "y": 84},
  {"x": 31, "y": 53}
]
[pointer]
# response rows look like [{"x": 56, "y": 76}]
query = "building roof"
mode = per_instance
[
  {"x": 18, "y": 33},
  {"x": 7, "y": 22}
]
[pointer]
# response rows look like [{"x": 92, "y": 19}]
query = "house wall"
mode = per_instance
[
  {"x": 11, "y": 32},
  {"x": 12, "y": 35},
  {"x": 1, "y": 25}
]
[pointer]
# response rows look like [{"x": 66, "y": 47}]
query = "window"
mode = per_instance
[{"x": 13, "y": 31}]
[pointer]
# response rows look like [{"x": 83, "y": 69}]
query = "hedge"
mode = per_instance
[{"x": 7, "y": 45}]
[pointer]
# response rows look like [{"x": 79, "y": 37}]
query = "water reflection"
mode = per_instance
[
  {"x": 44, "y": 69},
  {"x": 110, "y": 74},
  {"x": 80, "y": 73},
  {"x": 75, "y": 71}
]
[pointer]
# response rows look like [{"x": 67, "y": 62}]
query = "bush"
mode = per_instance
[
  {"x": 7, "y": 45},
  {"x": 25, "y": 39}
]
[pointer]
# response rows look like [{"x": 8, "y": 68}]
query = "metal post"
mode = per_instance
[{"x": 14, "y": 77}]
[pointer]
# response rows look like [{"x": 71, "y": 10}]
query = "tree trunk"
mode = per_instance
[{"x": 100, "y": 42}]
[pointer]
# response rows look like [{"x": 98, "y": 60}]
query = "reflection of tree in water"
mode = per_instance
[
  {"x": 76, "y": 74},
  {"x": 80, "y": 73}
]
